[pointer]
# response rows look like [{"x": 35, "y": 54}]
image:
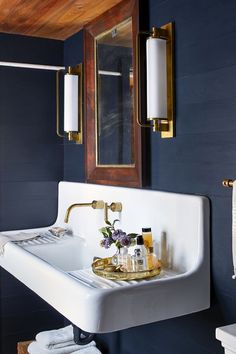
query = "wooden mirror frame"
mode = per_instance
[{"x": 125, "y": 175}]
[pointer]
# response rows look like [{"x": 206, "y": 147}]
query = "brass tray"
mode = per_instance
[{"x": 100, "y": 267}]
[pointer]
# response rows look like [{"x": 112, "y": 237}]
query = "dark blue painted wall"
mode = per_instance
[
  {"x": 31, "y": 164},
  {"x": 73, "y": 154},
  {"x": 31, "y": 155},
  {"x": 196, "y": 161}
]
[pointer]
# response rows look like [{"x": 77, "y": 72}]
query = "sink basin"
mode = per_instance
[{"x": 59, "y": 271}]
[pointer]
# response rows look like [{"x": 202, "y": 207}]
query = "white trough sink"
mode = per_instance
[{"x": 58, "y": 270}]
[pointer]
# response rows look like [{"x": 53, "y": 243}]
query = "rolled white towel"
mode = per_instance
[
  {"x": 56, "y": 338},
  {"x": 36, "y": 348}
]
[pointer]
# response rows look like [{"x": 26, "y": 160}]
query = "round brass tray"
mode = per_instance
[{"x": 104, "y": 268}]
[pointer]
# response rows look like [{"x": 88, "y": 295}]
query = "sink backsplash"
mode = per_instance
[{"x": 175, "y": 219}]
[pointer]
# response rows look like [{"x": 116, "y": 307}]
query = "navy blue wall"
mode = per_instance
[
  {"x": 73, "y": 154},
  {"x": 202, "y": 154},
  {"x": 31, "y": 164}
]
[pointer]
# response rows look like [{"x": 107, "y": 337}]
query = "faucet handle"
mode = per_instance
[
  {"x": 97, "y": 204},
  {"x": 115, "y": 206}
]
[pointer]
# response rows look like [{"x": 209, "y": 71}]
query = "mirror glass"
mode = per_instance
[{"x": 114, "y": 96}]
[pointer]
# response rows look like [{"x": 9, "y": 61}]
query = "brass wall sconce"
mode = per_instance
[
  {"x": 159, "y": 80},
  {"x": 73, "y": 107}
]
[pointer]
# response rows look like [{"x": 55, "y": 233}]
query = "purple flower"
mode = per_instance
[
  {"x": 125, "y": 240},
  {"x": 106, "y": 242},
  {"x": 118, "y": 234}
]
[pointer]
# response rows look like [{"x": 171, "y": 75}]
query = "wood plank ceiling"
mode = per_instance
[{"x": 54, "y": 19}]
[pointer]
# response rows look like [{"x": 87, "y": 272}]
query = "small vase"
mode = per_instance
[{"x": 120, "y": 257}]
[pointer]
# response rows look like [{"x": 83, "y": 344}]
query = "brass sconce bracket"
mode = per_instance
[
  {"x": 160, "y": 125},
  {"x": 163, "y": 125},
  {"x": 77, "y": 137},
  {"x": 227, "y": 183},
  {"x": 113, "y": 207},
  {"x": 159, "y": 33}
]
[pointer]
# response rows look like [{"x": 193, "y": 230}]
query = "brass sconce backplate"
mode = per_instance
[{"x": 170, "y": 80}]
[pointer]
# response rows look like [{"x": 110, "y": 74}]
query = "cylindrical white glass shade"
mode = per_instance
[
  {"x": 156, "y": 78},
  {"x": 71, "y": 118}
]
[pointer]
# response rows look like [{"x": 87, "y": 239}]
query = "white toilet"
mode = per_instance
[{"x": 227, "y": 336}]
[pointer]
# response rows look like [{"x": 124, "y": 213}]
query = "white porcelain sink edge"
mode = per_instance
[
  {"x": 44, "y": 269},
  {"x": 84, "y": 306}
]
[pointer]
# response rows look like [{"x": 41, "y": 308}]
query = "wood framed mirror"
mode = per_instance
[{"x": 113, "y": 139}]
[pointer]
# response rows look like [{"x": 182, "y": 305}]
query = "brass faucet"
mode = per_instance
[
  {"x": 115, "y": 206},
  {"x": 96, "y": 204}
]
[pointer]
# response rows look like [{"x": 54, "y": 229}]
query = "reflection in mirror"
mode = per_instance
[
  {"x": 113, "y": 140},
  {"x": 114, "y": 93}
]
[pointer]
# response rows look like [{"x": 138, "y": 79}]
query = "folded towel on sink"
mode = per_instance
[
  {"x": 20, "y": 236},
  {"x": 36, "y": 348}
]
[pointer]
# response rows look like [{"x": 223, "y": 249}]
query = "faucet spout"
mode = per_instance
[{"x": 95, "y": 204}]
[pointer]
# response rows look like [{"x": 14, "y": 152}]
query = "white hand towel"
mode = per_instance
[
  {"x": 36, "y": 348},
  {"x": 58, "y": 345},
  {"x": 58, "y": 338},
  {"x": 90, "y": 350},
  {"x": 21, "y": 236},
  {"x": 234, "y": 228},
  {"x": 49, "y": 339}
]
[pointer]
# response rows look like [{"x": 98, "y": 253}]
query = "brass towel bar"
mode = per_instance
[{"x": 227, "y": 183}]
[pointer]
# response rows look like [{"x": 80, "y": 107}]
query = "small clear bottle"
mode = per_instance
[
  {"x": 122, "y": 255},
  {"x": 138, "y": 261},
  {"x": 120, "y": 258},
  {"x": 139, "y": 258},
  {"x": 127, "y": 266}
]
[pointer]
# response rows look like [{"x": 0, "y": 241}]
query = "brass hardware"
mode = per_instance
[
  {"x": 104, "y": 268},
  {"x": 227, "y": 183},
  {"x": 160, "y": 125},
  {"x": 58, "y": 104},
  {"x": 77, "y": 137},
  {"x": 159, "y": 33},
  {"x": 96, "y": 204},
  {"x": 163, "y": 125},
  {"x": 113, "y": 207},
  {"x": 70, "y": 70},
  {"x": 72, "y": 136}
]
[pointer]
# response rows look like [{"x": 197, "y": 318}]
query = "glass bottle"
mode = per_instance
[
  {"x": 139, "y": 257},
  {"x": 147, "y": 237},
  {"x": 151, "y": 259},
  {"x": 121, "y": 256},
  {"x": 138, "y": 261}
]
